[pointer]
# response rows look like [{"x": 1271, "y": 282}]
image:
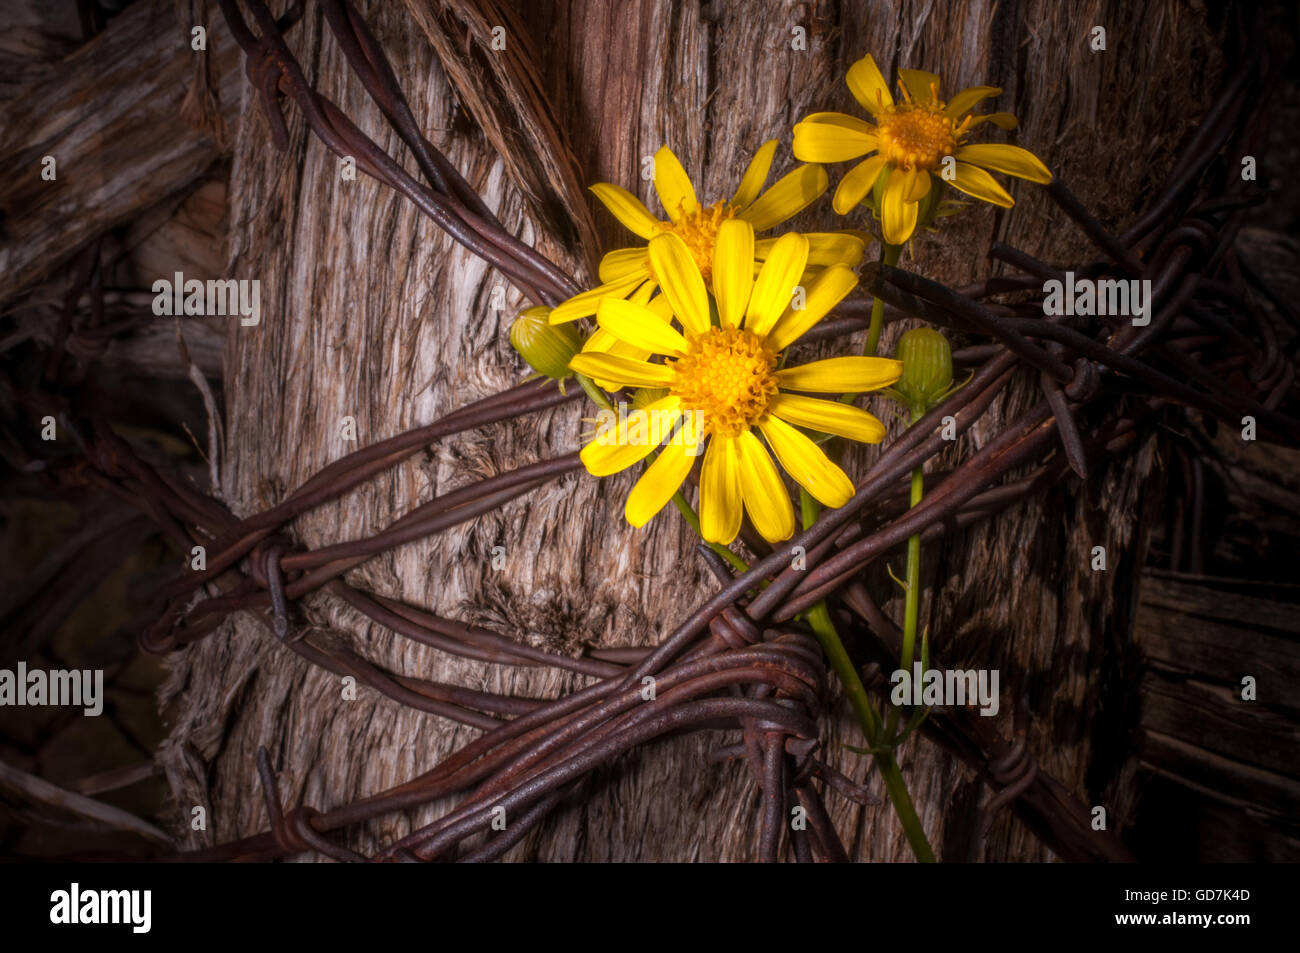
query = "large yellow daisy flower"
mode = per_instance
[
  {"x": 908, "y": 143},
  {"x": 725, "y": 384},
  {"x": 627, "y": 269}
]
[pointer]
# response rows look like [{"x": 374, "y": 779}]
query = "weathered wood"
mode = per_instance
[
  {"x": 1200, "y": 638},
  {"x": 1198, "y": 630},
  {"x": 1221, "y": 831},
  {"x": 501, "y": 89},
  {"x": 1225, "y": 778},
  {"x": 36, "y": 36},
  {"x": 1216, "y": 718},
  {"x": 187, "y": 234},
  {"x": 129, "y": 123},
  {"x": 30, "y": 787},
  {"x": 1193, "y": 599},
  {"x": 370, "y": 312}
]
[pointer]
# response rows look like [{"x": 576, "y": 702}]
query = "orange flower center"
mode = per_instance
[
  {"x": 729, "y": 375},
  {"x": 917, "y": 136},
  {"x": 700, "y": 230}
]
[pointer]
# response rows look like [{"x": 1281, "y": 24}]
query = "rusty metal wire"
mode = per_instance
[{"x": 740, "y": 660}]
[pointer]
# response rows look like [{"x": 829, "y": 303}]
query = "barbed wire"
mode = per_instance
[{"x": 741, "y": 660}]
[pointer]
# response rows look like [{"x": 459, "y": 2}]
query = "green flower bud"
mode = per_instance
[
  {"x": 548, "y": 348},
  {"x": 927, "y": 368}
]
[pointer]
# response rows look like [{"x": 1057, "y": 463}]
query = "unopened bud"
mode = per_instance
[
  {"x": 548, "y": 348},
  {"x": 927, "y": 368}
]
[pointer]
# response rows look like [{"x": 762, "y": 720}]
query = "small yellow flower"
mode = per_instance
[
  {"x": 908, "y": 143},
  {"x": 628, "y": 270},
  {"x": 724, "y": 384}
]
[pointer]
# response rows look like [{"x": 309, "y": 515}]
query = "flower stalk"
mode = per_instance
[
  {"x": 819, "y": 618},
  {"x": 889, "y": 255}
]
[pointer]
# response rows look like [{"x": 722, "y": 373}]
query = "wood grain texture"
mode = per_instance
[
  {"x": 131, "y": 118},
  {"x": 1200, "y": 637},
  {"x": 36, "y": 36},
  {"x": 368, "y": 311}
]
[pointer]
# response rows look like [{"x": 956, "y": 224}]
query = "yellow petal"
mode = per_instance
[
  {"x": 720, "y": 500},
  {"x": 617, "y": 446},
  {"x": 824, "y": 248},
  {"x": 1001, "y": 120},
  {"x": 1012, "y": 160},
  {"x": 660, "y": 305},
  {"x": 623, "y": 262},
  {"x": 584, "y": 305},
  {"x": 599, "y": 342},
  {"x": 855, "y": 186},
  {"x": 663, "y": 477},
  {"x": 628, "y": 209},
  {"x": 766, "y": 497},
  {"x": 733, "y": 270},
  {"x": 897, "y": 215},
  {"x": 920, "y": 186},
  {"x": 826, "y": 292},
  {"x": 624, "y": 371},
  {"x": 976, "y": 182},
  {"x": 968, "y": 99},
  {"x": 840, "y": 375},
  {"x": 776, "y": 282},
  {"x": 833, "y": 137},
  {"x": 804, "y": 461},
  {"x": 828, "y": 416},
  {"x": 755, "y": 175},
  {"x": 602, "y": 342},
  {"x": 642, "y": 294},
  {"x": 868, "y": 86},
  {"x": 835, "y": 248},
  {"x": 680, "y": 280},
  {"x": 674, "y": 186},
  {"x": 639, "y": 326},
  {"x": 921, "y": 85},
  {"x": 792, "y": 193}
]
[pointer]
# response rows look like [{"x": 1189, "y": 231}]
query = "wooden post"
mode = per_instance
[{"x": 370, "y": 313}]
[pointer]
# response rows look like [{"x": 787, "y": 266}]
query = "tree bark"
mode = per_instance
[{"x": 370, "y": 312}]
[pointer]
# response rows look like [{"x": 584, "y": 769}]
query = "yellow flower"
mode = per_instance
[
  {"x": 725, "y": 384},
  {"x": 626, "y": 270},
  {"x": 910, "y": 141}
]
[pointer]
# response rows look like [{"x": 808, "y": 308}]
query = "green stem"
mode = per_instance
[
  {"x": 594, "y": 392},
  {"x": 888, "y": 255},
  {"x": 823, "y": 627},
  {"x": 912, "y": 603},
  {"x": 897, "y": 788},
  {"x": 819, "y": 617},
  {"x": 912, "y": 592}
]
